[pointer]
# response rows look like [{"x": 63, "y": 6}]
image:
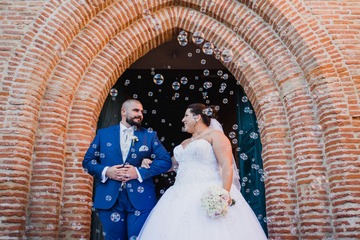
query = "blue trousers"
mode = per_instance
[{"x": 122, "y": 221}]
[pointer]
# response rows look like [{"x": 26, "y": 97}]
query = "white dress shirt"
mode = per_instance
[{"x": 124, "y": 152}]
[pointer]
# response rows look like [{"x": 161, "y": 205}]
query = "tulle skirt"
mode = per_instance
[{"x": 179, "y": 215}]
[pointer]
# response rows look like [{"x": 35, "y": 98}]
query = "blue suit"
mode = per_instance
[{"x": 134, "y": 201}]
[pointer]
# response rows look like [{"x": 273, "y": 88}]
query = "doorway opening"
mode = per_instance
[{"x": 166, "y": 81}]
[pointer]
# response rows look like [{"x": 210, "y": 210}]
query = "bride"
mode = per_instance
[{"x": 200, "y": 203}]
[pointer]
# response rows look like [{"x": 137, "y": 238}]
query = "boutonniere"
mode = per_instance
[{"x": 134, "y": 139}]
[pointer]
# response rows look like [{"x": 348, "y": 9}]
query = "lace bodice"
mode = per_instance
[{"x": 197, "y": 163}]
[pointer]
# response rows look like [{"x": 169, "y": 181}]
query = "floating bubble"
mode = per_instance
[
  {"x": 184, "y": 80},
  {"x": 115, "y": 217},
  {"x": 243, "y": 156},
  {"x": 182, "y": 35},
  {"x": 232, "y": 134},
  {"x": 226, "y": 55},
  {"x": 183, "y": 42},
  {"x": 207, "y": 85},
  {"x": 146, "y": 13},
  {"x": 208, "y": 48},
  {"x": 242, "y": 62},
  {"x": 176, "y": 85},
  {"x": 225, "y": 76},
  {"x": 198, "y": 37},
  {"x": 140, "y": 189},
  {"x": 220, "y": 73},
  {"x": 254, "y": 135},
  {"x": 204, "y": 95},
  {"x": 225, "y": 101},
  {"x": 223, "y": 86},
  {"x": 203, "y": 61},
  {"x": 206, "y": 72},
  {"x": 189, "y": 54},
  {"x": 256, "y": 192},
  {"x": 108, "y": 198},
  {"x": 127, "y": 82},
  {"x": 208, "y": 112},
  {"x": 158, "y": 79},
  {"x": 156, "y": 23},
  {"x": 113, "y": 93},
  {"x": 244, "y": 99}
]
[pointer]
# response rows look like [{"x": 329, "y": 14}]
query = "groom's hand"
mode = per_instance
[
  {"x": 146, "y": 163},
  {"x": 128, "y": 172},
  {"x": 114, "y": 172}
]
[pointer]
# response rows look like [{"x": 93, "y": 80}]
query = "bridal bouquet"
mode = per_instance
[{"x": 215, "y": 201}]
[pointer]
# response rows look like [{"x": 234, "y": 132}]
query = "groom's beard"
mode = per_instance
[{"x": 131, "y": 121}]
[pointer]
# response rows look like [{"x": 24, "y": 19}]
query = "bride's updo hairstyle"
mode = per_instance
[{"x": 206, "y": 112}]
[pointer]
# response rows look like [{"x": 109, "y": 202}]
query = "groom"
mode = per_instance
[{"x": 124, "y": 191}]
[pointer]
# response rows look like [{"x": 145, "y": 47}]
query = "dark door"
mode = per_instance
[{"x": 252, "y": 175}]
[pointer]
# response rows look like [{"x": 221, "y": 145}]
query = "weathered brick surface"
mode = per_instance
[{"x": 298, "y": 62}]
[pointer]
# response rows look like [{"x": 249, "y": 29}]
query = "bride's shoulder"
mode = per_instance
[
  {"x": 185, "y": 142},
  {"x": 216, "y": 133}
]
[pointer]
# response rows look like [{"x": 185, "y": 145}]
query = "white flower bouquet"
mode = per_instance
[{"x": 215, "y": 200}]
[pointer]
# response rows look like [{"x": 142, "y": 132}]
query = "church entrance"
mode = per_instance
[{"x": 166, "y": 90}]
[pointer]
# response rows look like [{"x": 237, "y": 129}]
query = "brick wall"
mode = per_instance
[{"x": 298, "y": 61}]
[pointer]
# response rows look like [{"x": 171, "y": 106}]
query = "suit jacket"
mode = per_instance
[{"x": 105, "y": 151}]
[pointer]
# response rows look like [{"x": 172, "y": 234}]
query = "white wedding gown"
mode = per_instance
[{"x": 179, "y": 215}]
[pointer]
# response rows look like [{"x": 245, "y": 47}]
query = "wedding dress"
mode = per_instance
[{"x": 179, "y": 214}]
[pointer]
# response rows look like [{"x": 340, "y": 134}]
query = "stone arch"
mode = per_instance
[{"x": 75, "y": 53}]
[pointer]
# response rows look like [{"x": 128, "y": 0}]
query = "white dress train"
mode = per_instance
[{"x": 179, "y": 215}]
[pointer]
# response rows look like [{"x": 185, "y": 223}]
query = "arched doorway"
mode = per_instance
[{"x": 165, "y": 91}]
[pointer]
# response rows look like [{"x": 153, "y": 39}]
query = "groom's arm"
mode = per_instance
[{"x": 161, "y": 162}]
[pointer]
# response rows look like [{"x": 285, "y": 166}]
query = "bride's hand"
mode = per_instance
[
  {"x": 146, "y": 163},
  {"x": 231, "y": 201}
]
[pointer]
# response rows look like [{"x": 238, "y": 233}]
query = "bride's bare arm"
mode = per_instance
[
  {"x": 174, "y": 165},
  {"x": 223, "y": 152}
]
